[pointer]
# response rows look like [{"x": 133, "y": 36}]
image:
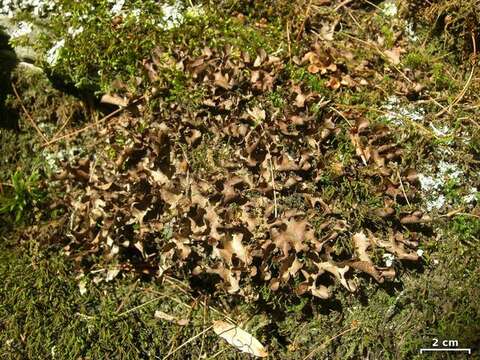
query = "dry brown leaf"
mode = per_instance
[
  {"x": 222, "y": 81},
  {"x": 257, "y": 114},
  {"x": 231, "y": 280},
  {"x": 327, "y": 30},
  {"x": 393, "y": 55},
  {"x": 394, "y": 247},
  {"x": 164, "y": 316},
  {"x": 313, "y": 69},
  {"x": 114, "y": 100},
  {"x": 339, "y": 273},
  {"x": 235, "y": 247},
  {"x": 239, "y": 338},
  {"x": 361, "y": 244},
  {"x": 319, "y": 291},
  {"x": 362, "y": 151},
  {"x": 290, "y": 267},
  {"x": 300, "y": 100},
  {"x": 295, "y": 235},
  {"x": 333, "y": 83},
  {"x": 285, "y": 163}
]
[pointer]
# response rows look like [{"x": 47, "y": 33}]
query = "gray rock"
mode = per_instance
[{"x": 23, "y": 53}]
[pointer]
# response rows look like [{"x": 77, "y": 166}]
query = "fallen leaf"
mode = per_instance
[
  {"x": 164, "y": 316},
  {"x": 82, "y": 286},
  {"x": 112, "y": 274},
  {"x": 239, "y": 338},
  {"x": 257, "y": 114},
  {"x": 393, "y": 55},
  {"x": 114, "y": 100},
  {"x": 222, "y": 81}
]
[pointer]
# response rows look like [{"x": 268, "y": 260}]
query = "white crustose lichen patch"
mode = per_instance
[
  {"x": 390, "y": 9},
  {"x": 433, "y": 185},
  {"x": 389, "y": 259},
  {"x": 397, "y": 112},
  {"x": 54, "y": 159}
]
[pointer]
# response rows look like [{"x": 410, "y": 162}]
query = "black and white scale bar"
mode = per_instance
[{"x": 469, "y": 351}]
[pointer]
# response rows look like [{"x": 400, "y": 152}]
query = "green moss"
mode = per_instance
[
  {"x": 388, "y": 34},
  {"x": 277, "y": 98},
  {"x": 415, "y": 60},
  {"x": 440, "y": 78},
  {"x": 466, "y": 226}
]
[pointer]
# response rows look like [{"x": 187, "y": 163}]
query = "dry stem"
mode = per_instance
[{"x": 28, "y": 114}]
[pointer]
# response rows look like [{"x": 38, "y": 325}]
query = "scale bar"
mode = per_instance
[{"x": 446, "y": 349}]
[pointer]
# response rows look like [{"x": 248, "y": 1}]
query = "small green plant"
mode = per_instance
[
  {"x": 389, "y": 35},
  {"x": 467, "y": 227},
  {"x": 440, "y": 78},
  {"x": 415, "y": 60},
  {"x": 452, "y": 190},
  {"x": 277, "y": 98},
  {"x": 25, "y": 193}
]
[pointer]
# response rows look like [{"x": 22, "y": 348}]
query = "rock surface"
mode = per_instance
[{"x": 23, "y": 53}]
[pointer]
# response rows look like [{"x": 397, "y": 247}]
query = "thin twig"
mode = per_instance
[
  {"x": 289, "y": 42},
  {"x": 354, "y": 327},
  {"x": 453, "y": 212},
  {"x": 467, "y": 214},
  {"x": 63, "y": 126},
  {"x": 204, "y": 323},
  {"x": 376, "y": 48},
  {"x": 459, "y": 96},
  {"x": 28, "y": 114},
  {"x": 418, "y": 125},
  {"x": 353, "y": 18},
  {"x": 141, "y": 305},
  {"x": 127, "y": 296},
  {"x": 403, "y": 188},
  {"x": 218, "y": 353},
  {"x": 459, "y": 212},
  {"x": 436, "y": 103},
  {"x": 176, "y": 283},
  {"x": 472, "y": 121},
  {"x": 474, "y": 44},
  {"x": 342, "y": 115},
  {"x": 109, "y": 116},
  {"x": 186, "y": 305},
  {"x": 187, "y": 342},
  {"x": 273, "y": 185},
  {"x": 342, "y": 4},
  {"x": 375, "y": 6},
  {"x": 302, "y": 27}
]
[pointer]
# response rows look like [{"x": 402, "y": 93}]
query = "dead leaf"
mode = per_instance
[
  {"x": 393, "y": 55},
  {"x": 112, "y": 274},
  {"x": 257, "y": 114},
  {"x": 294, "y": 234},
  {"x": 333, "y": 83},
  {"x": 239, "y": 338},
  {"x": 164, "y": 316},
  {"x": 222, "y": 81},
  {"x": 114, "y": 100},
  {"x": 82, "y": 287}
]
